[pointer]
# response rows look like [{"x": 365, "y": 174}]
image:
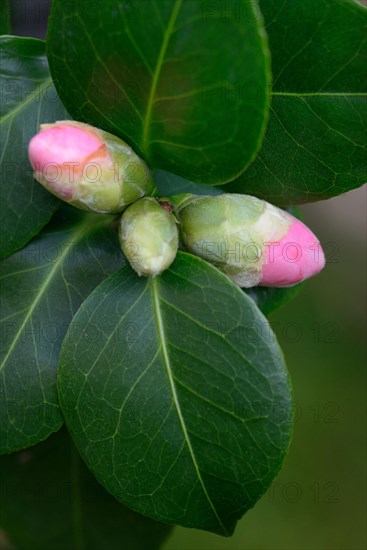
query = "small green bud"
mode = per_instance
[
  {"x": 148, "y": 236},
  {"x": 87, "y": 167}
]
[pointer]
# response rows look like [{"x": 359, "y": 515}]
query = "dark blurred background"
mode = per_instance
[
  {"x": 318, "y": 502},
  {"x": 29, "y": 17}
]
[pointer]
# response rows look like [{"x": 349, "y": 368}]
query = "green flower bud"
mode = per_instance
[
  {"x": 148, "y": 236},
  {"x": 87, "y": 167},
  {"x": 250, "y": 240}
]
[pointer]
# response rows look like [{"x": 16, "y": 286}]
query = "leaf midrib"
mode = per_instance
[
  {"x": 157, "y": 72},
  {"x": 23, "y": 104},
  {"x": 74, "y": 239},
  {"x": 167, "y": 365}
]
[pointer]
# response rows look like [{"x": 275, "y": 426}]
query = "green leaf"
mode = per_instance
[
  {"x": 180, "y": 405},
  {"x": 315, "y": 144},
  {"x": 50, "y": 500},
  {"x": 268, "y": 299},
  {"x": 28, "y": 99},
  {"x": 183, "y": 82},
  {"x": 169, "y": 184},
  {"x": 41, "y": 288},
  {"x": 4, "y": 17}
]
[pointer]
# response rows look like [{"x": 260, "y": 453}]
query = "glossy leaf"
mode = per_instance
[
  {"x": 315, "y": 144},
  {"x": 28, "y": 99},
  {"x": 41, "y": 287},
  {"x": 170, "y": 184},
  {"x": 184, "y": 82},
  {"x": 268, "y": 299},
  {"x": 50, "y": 500},
  {"x": 180, "y": 405}
]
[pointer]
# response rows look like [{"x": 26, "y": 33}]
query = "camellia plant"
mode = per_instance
[{"x": 153, "y": 152}]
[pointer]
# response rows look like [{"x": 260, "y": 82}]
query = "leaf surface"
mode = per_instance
[
  {"x": 315, "y": 145},
  {"x": 41, "y": 288},
  {"x": 181, "y": 405},
  {"x": 184, "y": 82}
]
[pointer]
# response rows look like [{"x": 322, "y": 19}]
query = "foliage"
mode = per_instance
[{"x": 174, "y": 389}]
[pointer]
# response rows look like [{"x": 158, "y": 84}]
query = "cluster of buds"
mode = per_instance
[{"x": 248, "y": 239}]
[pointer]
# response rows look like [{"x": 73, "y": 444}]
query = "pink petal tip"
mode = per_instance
[
  {"x": 295, "y": 258},
  {"x": 61, "y": 144}
]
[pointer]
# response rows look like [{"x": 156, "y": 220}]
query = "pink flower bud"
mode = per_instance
[
  {"x": 87, "y": 167},
  {"x": 252, "y": 241}
]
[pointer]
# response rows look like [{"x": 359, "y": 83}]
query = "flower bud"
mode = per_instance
[
  {"x": 87, "y": 167},
  {"x": 148, "y": 236},
  {"x": 250, "y": 240}
]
